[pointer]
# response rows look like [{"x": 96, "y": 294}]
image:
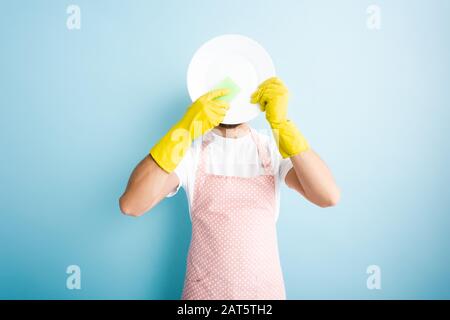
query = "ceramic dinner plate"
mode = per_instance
[{"x": 237, "y": 61}]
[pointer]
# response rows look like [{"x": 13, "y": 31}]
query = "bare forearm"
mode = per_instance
[
  {"x": 144, "y": 187},
  {"x": 315, "y": 178}
]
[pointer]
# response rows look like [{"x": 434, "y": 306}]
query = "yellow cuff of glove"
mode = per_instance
[
  {"x": 289, "y": 139},
  {"x": 169, "y": 151}
]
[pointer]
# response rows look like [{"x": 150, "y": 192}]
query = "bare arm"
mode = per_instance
[
  {"x": 147, "y": 186},
  {"x": 312, "y": 178}
]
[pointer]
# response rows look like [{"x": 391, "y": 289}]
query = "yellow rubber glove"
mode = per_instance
[
  {"x": 272, "y": 96},
  {"x": 204, "y": 114}
]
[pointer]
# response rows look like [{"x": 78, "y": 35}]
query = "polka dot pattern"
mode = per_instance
[{"x": 234, "y": 251}]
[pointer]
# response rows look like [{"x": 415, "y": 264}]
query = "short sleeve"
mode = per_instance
[
  {"x": 182, "y": 172},
  {"x": 175, "y": 191},
  {"x": 285, "y": 166},
  {"x": 281, "y": 166}
]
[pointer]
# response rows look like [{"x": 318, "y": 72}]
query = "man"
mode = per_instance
[{"x": 231, "y": 177}]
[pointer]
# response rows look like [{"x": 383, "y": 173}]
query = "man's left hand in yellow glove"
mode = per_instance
[
  {"x": 272, "y": 96},
  {"x": 309, "y": 176}
]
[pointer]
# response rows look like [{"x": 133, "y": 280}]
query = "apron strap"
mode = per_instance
[
  {"x": 203, "y": 161},
  {"x": 263, "y": 153}
]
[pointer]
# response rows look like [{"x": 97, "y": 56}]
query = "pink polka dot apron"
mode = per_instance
[{"x": 234, "y": 252}]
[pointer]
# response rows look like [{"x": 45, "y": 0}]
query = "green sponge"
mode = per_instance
[{"x": 229, "y": 84}]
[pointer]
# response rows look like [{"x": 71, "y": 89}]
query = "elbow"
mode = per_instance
[
  {"x": 128, "y": 209},
  {"x": 331, "y": 200}
]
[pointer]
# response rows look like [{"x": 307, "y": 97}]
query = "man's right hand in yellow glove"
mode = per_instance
[
  {"x": 152, "y": 180},
  {"x": 203, "y": 115}
]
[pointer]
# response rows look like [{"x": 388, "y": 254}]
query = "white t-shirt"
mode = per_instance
[{"x": 231, "y": 157}]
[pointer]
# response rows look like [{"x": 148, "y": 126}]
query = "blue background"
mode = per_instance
[{"x": 80, "y": 108}]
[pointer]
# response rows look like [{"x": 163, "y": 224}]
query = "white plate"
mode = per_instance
[{"x": 238, "y": 57}]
